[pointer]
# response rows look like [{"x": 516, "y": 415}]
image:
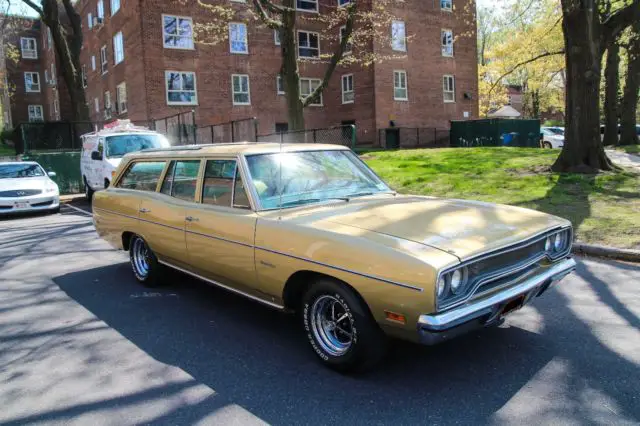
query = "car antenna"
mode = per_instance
[{"x": 280, "y": 179}]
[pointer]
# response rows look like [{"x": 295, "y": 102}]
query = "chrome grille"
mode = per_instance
[{"x": 19, "y": 193}]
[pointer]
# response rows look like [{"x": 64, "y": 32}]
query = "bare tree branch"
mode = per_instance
[
  {"x": 264, "y": 15},
  {"x": 617, "y": 22},
  {"x": 35, "y": 7}
]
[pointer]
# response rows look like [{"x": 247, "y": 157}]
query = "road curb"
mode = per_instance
[{"x": 609, "y": 252}]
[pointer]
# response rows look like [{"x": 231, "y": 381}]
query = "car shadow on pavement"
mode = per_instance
[{"x": 259, "y": 359}]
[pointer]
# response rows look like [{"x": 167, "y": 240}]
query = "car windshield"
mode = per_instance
[
  {"x": 16, "y": 171},
  {"x": 292, "y": 179},
  {"x": 118, "y": 146},
  {"x": 556, "y": 131}
]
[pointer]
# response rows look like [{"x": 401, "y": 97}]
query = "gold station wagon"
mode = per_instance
[{"x": 311, "y": 229}]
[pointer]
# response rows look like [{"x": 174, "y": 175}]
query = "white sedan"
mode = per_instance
[
  {"x": 552, "y": 137},
  {"x": 26, "y": 187}
]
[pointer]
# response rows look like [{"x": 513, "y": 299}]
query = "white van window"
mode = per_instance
[{"x": 118, "y": 146}]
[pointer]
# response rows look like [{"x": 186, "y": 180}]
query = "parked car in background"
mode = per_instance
[
  {"x": 311, "y": 229},
  {"x": 26, "y": 187},
  {"x": 102, "y": 152},
  {"x": 552, "y": 137}
]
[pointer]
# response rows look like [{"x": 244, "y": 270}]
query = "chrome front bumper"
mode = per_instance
[{"x": 436, "y": 328}]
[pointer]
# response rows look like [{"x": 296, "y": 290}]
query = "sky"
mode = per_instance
[{"x": 17, "y": 7}]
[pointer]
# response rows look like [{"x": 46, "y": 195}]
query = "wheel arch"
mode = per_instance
[{"x": 126, "y": 239}]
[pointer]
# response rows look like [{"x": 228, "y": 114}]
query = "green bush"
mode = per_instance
[{"x": 553, "y": 123}]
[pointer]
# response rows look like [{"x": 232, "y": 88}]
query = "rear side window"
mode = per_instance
[
  {"x": 181, "y": 180},
  {"x": 218, "y": 182},
  {"x": 142, "y": 176}
]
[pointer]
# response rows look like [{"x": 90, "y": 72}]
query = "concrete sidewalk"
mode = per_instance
[{"x": 623, "y": 159}]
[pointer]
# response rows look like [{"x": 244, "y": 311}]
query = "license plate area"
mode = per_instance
[
  {"x": 512, "y": 305},
  {"x": 21, "y": 205}
]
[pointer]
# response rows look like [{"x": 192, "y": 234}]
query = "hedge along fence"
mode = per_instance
[{"x": 66, "y": 165}]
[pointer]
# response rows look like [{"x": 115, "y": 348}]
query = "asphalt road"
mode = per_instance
[{"x": 82, "y": 343}]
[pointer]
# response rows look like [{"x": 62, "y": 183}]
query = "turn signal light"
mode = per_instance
[{"x": 392, "y": 316}]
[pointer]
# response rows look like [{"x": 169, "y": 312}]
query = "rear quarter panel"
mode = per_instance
[{"x": 115, "y": 211}]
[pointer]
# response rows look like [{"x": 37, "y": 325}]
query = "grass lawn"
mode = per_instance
[
  {"x": 629, "y": 149},
  {"x": 604, "y": 208}
]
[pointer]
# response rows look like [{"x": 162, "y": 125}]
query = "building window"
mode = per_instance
[
  {"x": 447, "y": 43},
  {"x": 307, "y": 86},
  {"x": 56, "y": 107},
  {"x": 103, "y": 59},
  {"x": 54, "y": 79},
  {"x": 96, "y": 105},
  {"x": 446, "y": 5},
  {"x": 101, "y": 9},
  {"x": 400, "y": 92},
  {"x": 107, "y": 105},
  {"x": 181, "y": 88},
  {"x": 349, "y": 46},
  {"x": 398, "y": 36},
  {"x": 115, "y": 6},
  {"x": 238, "y": 38},
  {"x": 46, "y": 77},
  {"x": 307, "y": 5},
  {"x": 348, "y": 94},
  {"x": 276, "y": 37},
  {"x": 177, "y": 32},
  {"x": 49, "y": 40},
  {"x": 84, "y": 76},
  {"x": 240, "y": 89},
  {"x": 89, "y": 20},
  {"x": 93, "y": 62},
  {"x": 280, "y": 85},
  {"x": 343, "y": 2},
  {"x": 121, "y": 98},
  {"x": 28, "y": 48},
  {"x": 449, "y": 88},
  {"x": 32, "y": 81},
  {"x": 308, "y": 44},
  {"x": 35, "y": 113},
  {"x": 118, "y": 48}
]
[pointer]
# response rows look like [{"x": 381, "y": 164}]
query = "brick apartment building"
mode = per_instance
[
  {"x": 141, "y": 62},
  {"x": 33, "y": 89}
]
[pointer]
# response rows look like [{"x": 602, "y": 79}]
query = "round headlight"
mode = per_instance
[
  {"x": 558, "y": 241},
  {"x": 456, "y": 280},
  {"x": 442, "y": 284},
  {"x": 548, "y": 244}
]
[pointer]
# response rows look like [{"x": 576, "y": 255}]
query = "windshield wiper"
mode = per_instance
[{"x": 312, "y": 200}]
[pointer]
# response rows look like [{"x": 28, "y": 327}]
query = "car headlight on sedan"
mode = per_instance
[
  {"x": 558, "y": 242},
  {"x": 452, "y": 283},
  {"x": 52, "y": 187}
]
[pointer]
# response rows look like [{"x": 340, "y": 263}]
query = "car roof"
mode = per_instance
[
  {"x": 233, "y": 149},
  {"x": 6, "y": 163}
]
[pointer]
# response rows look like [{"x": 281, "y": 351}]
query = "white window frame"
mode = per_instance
[
  {"x": 26, "y": 86},
  {"x": 319, "y": 81},
  {"x": 49, "y": 39},
  {"x": 100, "y": 9},
  {"x": 54, "y": 79},
  {"x": 35, "y": 117},
  {"x": 115, "y": 6},
  {"x": 445, "y": 8},
  {"x": 308, "y": 47},
  {"x": 84, "y": 76},
  {"x": 279, "y": 84},
  {"x": 177, "y": 34},
  {"x": 449, "y": 90},
  {"x": 233, "y": 91},
  {"x": 344, "y": 78},
  {"x": 195, "y": 87},
  {"x": 108, "y": 107},
  {"x": 397, "y": 44},
  {"x": 29, "y": 53},
  {"x": 246, "y": 38},
  {"x": 406, "y": 85},
  {"x": 307, "y": 10},
  {"x": 96, "y": 105},
  {"x": 90, "y": 20},
  {"x": 93, "y": 62},
  {"x": 349, "y": 47},
  {"x": 104, "y": 60},
  {"x": 119, "y": 101},
  {"x": 276, "y": 38},
  {"x": 118, "y": 48},
  {"x": 447, "y": 49},
  {"x": 46, "y": 77}
]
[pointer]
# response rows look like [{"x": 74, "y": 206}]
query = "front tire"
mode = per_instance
[
  {"x": 340, "y": 328},
  {"x": 547, "y": 145},
  {"x": 144, "y": 262}
]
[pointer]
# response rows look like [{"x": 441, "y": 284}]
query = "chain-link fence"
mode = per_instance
[
  {"x": 245, "y": 130},
  {"x": 413, "y": 137},
  {"x": 341, "y": 135}
]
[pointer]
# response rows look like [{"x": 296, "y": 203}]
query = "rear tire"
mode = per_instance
[
  {"x": 88, "y": 192},
  {"x": 144, "y": 262},
  {"x": 340, "y": 328}
]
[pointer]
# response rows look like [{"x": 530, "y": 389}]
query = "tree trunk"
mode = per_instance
[
  {"x": 612, "y": 77},
  {"x": 629, "y": 134},
  {"x": 583, "y": 151},
  {"x": 290, "y": 71}
]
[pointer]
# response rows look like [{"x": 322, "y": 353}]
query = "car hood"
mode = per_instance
[
  {"x": 459, "y": 227},
  {"x": 23, "y": 183}
]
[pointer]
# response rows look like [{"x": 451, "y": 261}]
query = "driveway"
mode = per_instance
[{"x": 82, "y": 343}]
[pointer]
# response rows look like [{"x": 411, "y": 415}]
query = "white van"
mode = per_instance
[{"x": 103, "y": 150}]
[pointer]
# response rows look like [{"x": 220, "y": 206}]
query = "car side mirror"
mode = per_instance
[
  {"x": 52, "y": 174},
  {"x": 95, "y": 155}
]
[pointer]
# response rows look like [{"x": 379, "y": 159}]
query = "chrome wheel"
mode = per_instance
[
  {"x": 331, "y": 325},
  {"x": 140, "y": 258}
]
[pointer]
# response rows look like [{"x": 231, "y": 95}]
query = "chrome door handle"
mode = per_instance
[
  {"x": 145, "y": 210},
  {"x": 191, "y": 219}
]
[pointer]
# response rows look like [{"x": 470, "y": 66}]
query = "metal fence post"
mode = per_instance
[
  {"x": 314, "y": 135},
  {"x": 353, "y": 135},
  {"x": 194, "y": 129},
  {"x": 233, "y": 131},
  {"x": 418, "y": 136},
  {"x": 255, "y": 128}
]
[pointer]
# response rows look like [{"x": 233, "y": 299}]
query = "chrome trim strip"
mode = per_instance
[
  {"x": 452, "y": 318},
  {"x": 373, "y": 277},
  {"x": 140, "y": 219},
  {"x": 116, "y": 213},
  {"x": 231, "y": 289},
  {"x": 497, "y": 252},
  {"x": 213, "y": 237}
]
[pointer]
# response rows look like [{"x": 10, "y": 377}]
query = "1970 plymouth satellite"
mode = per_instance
[{"x": 311, "y": 229}]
